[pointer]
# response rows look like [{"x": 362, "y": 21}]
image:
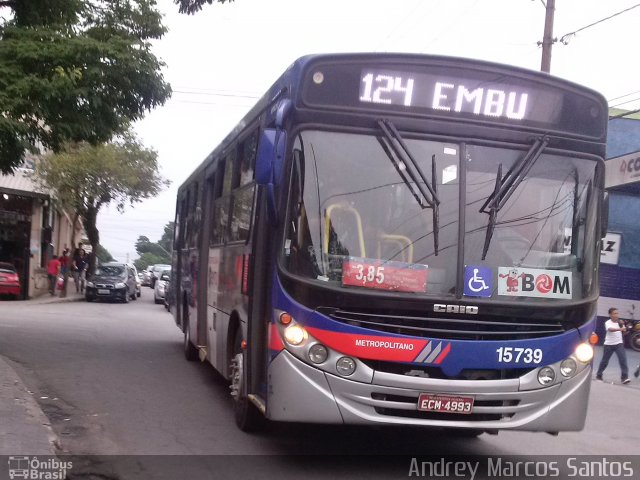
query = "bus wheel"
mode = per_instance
[
  {"x": 190, "y": 351},
  {"x": 248, "y": 417}
]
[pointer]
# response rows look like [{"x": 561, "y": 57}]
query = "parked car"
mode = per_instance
[
  {"x": 137, "y": 277},
  {"x": 146, "y": 276},
  {"x": 9, "y": 280},
  {"x": 160, "y": 288},
  {"x": 168, "y": 295},
  {"x": 112, "y": 281},
  {"x": 156, "y": 271}
]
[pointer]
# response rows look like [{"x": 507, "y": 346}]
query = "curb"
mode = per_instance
[{"x": 25, "y": 429}]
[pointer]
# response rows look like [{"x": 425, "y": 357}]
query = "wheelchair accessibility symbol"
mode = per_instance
[{"x": 477, "y": 281}]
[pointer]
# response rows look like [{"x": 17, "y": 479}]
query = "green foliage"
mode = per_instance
[
  {"x": 75, "y": 70},
  {"x": 166, "y": 241},
  {"x": 148, "y": 258},
  {"x": 86, "y": 177},
  {"x": 104, "y": 255},
  {"x": 193, "y": 6},
  {"x": 152, "y": 253}
]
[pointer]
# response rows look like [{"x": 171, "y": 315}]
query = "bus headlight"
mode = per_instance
[
  {"x": 584, "y": 352},
  {"x": 568, "y": 367},
  {"x": 295, "y": 335},
  {"x": 345, "y": 366},
  {"x": 318, "y": 353},
  {"x": 546, "y": 376}
]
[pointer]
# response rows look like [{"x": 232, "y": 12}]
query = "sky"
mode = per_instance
[{"x": 221, "y": 60}]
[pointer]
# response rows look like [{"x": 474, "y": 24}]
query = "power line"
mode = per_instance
[
  {"x": 565, "y": 38},
  {"x": 624, "y": 103},
  {"x": 622, "y": 96}
]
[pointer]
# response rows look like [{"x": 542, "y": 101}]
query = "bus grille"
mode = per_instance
[
  {"x": 464, "y": 327},
  {"x": 484, "y": 410}
]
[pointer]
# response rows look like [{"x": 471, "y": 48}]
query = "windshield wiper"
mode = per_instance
[
  {"x": 505, "y": 186},
  {"x": 409, "y": 170}
]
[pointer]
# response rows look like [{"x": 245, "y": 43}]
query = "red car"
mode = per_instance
[{"x": 9, "y": 280}]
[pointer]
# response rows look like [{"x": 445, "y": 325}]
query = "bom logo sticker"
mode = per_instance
[{"x": 533, "y": 282}]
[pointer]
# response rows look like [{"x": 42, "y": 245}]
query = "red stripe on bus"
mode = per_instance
[
  {"x": 275, "y": 342},
  {"x": 370, "y": 346},
  {"x": 442, "y": 356}
]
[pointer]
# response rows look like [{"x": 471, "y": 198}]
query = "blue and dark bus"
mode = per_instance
[{"x": 398, "y": 239}]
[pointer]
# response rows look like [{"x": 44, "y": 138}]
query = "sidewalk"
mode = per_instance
[
  {"x": 24, "y": 428},
  {"x": 72, "y": 296}
]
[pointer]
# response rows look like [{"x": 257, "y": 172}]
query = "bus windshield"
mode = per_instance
[{"x": 358, "y": 220}]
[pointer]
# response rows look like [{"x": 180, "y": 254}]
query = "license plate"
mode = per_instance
[
  {"x": 103, "y": 291},
  {"x": 428, "y": 402}
]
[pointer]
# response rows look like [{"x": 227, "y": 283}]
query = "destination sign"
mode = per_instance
[
  {"x": 489, "y": 94},
  {"x": 454, "y": 95}
]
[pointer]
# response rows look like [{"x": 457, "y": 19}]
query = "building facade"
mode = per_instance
[
  {"x": 32, "y": 230},
  {"x": 620, "y": 262}
]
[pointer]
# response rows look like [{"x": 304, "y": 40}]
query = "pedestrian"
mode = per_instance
[
  {"x": 613, "y": 343},
  {"x": 53, "y": 269},
  {"x": 64, "y": 261},
  {"x": 80, "y": 263}
]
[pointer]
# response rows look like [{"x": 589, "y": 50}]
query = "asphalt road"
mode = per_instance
[{"x": 113, "y": 381}]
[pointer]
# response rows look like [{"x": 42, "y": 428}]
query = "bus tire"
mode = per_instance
[
  {"x": 248, "y": 417},
  {"x": 190, "y": 351}
]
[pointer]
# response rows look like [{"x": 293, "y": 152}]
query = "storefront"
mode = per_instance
[{"x": 32, "y": 230}]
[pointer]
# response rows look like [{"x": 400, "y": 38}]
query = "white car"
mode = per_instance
[
  {"x": 156, "y": 271},
  {"x": 161, "y": 283}
]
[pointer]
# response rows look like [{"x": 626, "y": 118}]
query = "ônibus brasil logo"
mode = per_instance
[{"x": 34, "y": 468}]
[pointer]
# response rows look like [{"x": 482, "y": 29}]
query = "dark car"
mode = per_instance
[
  {"x": 112, "y": 281},
  {"x": 9, "y": 280}
]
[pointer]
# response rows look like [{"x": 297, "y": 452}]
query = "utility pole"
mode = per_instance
[{"x": 547, "y": 39}]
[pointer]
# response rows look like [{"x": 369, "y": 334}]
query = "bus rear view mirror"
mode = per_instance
[
  {"x": 266, "y": 157},
  {"x": 269, "y": 165},
  {"x": 270, "y": 156}
]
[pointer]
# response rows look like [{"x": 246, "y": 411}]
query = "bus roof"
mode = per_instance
[{"x": 290, "y": 82}]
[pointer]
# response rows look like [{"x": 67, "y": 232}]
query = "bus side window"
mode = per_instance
[
  {"x": 248, "y": 158},
  {"x": 220, "y": 205},
  {"x": 184, "y": 230},
  {"x": 194, "y": 217},
  {"x": 242, "y": 197},
  {"x": 229, "y": 173}
]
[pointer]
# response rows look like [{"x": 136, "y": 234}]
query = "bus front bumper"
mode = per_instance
[{"x": 301, "y": 393}]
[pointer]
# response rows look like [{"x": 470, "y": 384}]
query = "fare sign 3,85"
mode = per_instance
[{"x": 534, "y": 282}]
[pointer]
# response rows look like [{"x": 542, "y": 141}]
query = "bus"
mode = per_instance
[{"x": 399, "y": 239}]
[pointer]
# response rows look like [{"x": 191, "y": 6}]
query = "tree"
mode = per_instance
[
  {"x": 86, "y": 177},
  {"x": 193, "y": 6},
  {"x": 148, "y": 258},
  {"x": 152, "y": 253},
  {"x": 143, "y": 245},
  {"x": 75, "y": 70},
  {"x": 166, "y": 241},
  {"x": 104, "y": 255}
]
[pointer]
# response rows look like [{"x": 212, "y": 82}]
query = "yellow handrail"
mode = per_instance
[
  {"x": 406, "y": 246},
  {"x": 327, "y": 223}
]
